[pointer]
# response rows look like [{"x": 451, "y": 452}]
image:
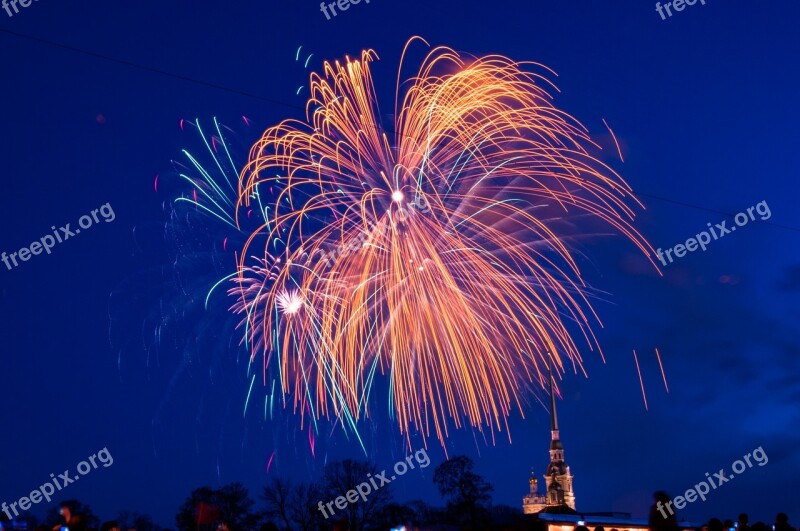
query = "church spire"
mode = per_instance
[
  {"x": 555, "y": 441},
  {"x": 553, "y": 412},
  {"x": 559, "y": 491}
]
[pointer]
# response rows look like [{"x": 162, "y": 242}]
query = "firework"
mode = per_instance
[{"x": 458, "y": 305}]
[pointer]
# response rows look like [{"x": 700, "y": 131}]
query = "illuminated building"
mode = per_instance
[
  {"x": 554, "y": 510},
  {"x": 558, "y": 487}
]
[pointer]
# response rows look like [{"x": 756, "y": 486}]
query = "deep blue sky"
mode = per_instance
[{"x": 705, "y": 105}]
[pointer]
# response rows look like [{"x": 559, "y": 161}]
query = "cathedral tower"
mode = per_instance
[{"x": 558, "y": 478}]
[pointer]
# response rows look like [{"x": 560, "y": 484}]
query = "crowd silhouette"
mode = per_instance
[
  {"x": 291, "y": 506},
  {"x": 667, "y": 520}
]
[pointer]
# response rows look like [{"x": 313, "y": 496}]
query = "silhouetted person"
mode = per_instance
[
  {"x": 728, "y": 525},
  {"x": 744, "y": 522},
  {"x": 599, "y": 528},
  {"x": 581, "y": 528},
  {"x": 74, "y": 522},
  {"x": 760, "y": 526},
  {"x": 66, "y": 514},
  {"x": 662, "y": 514},
  {"x": 782, "y": 523},
  {"x": 715, "y": 524}
]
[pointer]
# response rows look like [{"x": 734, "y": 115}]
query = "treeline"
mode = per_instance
[
  {"x": 351, "y": 495},
  {"x": 337, "y": 502}
]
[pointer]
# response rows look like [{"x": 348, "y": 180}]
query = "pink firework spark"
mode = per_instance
[
  {"x": 664, "y": 376},
  {"x": 615, "y": 140},
  {"x": 641, "y": 383}
]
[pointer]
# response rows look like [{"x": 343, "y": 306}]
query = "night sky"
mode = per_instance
[{"x": 704, "y": 105}]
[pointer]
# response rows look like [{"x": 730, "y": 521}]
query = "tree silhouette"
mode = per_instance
[
  {"x": 339, "y": 478},
  {"x": 187, "y": 518},
  {"x": 468, "y": 495},
  {"x": 231, "y": 504},
  {"x": 276, "y": 496},
  {"x": 294, "y": 505},
  {"x": 303, "y": 509},
  {"x": 237, "y": 507},
  {"x": 138, "y": 521}
]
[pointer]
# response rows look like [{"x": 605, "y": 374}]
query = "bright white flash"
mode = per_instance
[
  {"x": 397, "y": 196},
  {"x": 289, "y": 301}
]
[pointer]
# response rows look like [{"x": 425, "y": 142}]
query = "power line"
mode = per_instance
[
  {"x": 729, "y": 214},
  {"x": 146, "y": 68},
  {"x": 224, "y": 88}
]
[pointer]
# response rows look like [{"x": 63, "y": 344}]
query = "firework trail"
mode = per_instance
[
  {"x": 641, "y": 382},
  {"x": 459, "y": 283},
  {"x": 661, "y": 366}
]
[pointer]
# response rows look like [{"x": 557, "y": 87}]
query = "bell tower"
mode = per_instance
[
  {"x": 558, "y": 478},
  {"x": 558, "y": 475},
  {"x": 533, "y": 502}
]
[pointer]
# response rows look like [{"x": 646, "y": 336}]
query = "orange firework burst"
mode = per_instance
[{"x": 435, "y": 254}]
